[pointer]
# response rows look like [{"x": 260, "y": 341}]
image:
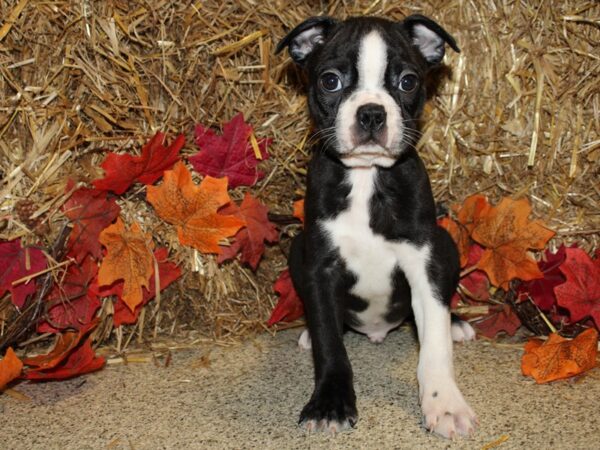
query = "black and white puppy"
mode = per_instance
[{"x": 371, "y": 252}]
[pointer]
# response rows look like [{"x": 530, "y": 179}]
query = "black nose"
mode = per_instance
[{"x": 371, "y": 117}]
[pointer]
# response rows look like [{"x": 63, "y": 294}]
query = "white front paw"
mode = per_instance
[
  {"x": 304, "y": 341},
  {"x": 446, "y": 412},
  {"x": 462, "y": 331}
]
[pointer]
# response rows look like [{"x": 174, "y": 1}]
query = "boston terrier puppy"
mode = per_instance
[{"x": 371, "y": 253}]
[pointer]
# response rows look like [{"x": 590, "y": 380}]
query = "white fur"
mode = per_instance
[
  {"x": 429, "y": 43},
  {"x": 462, "y": 331},
  {"x": 371, "y": 67},
  {"x": 372, "y": 259}
]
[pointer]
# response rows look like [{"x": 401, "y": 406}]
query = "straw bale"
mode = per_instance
[{"x": 516, "y": 113}]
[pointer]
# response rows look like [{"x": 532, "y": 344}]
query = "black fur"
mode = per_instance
[{"x": 402, "y": 208}]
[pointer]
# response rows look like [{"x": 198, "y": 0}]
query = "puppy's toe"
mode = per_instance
[
  {"x": 446, "y": 413},
  {"x": 462, "y": 331},
  {"x": 304, "y": 341}
]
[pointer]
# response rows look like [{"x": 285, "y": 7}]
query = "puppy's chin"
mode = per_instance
[{"x": 367, "y": 156}]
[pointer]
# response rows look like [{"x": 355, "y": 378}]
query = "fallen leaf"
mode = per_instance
[
  {"x": 299, "y": 210},
  {"x": 230, "y": 155},
  {"x": 71, "y": 304},
  {"x": 475, "y": 286},
  {"x": 193, "y": 209},
  {"x": 501, "y": 319},
  {"x": 289, "y": 307},
  {"x": 121, "y": 171},
  {"x": 10, "y": 368},
  {"x": 541, "y": 290},
  {"x": 65, "y": 343},
  {"x": 128, "y": 258},
  {"x": 17, "y": 262},
  {"x": 460, "y": 236},
  {"x": 90, "y": 211},
  {"x": 558, "y": 358},
  {"x": 78, "y": 362},
  {"x": 168, "y": 272},
  {"x": 471, "y": 211},
  {"x": 580, "y": 294},
  {"x": 250, "y": 240},
  {"x": 508, "y": 235}
]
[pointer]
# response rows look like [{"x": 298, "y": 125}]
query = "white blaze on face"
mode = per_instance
[{"x": 370, "y": 88}]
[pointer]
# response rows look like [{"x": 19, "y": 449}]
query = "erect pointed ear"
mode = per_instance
[
  {"x": 429, "y": 37},
  {"x": 303, "y": 39}
]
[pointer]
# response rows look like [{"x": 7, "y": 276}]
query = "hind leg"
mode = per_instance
[{"x": 461, "y": 330}]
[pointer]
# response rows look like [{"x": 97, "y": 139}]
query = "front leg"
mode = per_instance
[
  {"x": 445, "y": 411},
  {"x": 332, "y": 406}
]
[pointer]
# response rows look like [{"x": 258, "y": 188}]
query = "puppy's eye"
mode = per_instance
[
  {"x": 331, "y": 82},
  {"x": 408, "y": 82}
]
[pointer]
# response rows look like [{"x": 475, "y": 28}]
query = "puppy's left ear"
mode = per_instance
[
  {"x": 307, "y": 36},
  {"x": 428, "y": 37}
]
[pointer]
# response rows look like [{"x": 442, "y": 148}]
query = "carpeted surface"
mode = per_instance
[{"x": 250, "y": 396}]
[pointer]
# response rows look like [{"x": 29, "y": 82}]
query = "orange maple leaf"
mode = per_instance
[
  {"x": 471, "y": 211},
  {"x": 460, "y": 235},
  {"x": 299, "y": 210},
  {"x": 507, "y": 235},
  {"x": 10, "y": 368},
  {"x": 128, "y": 258},
  {"x": 193, "y": 208},
  {"x": 558, "y": 357}
]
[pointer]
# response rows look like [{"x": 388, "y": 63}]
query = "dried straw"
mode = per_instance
[{"x": 517, "y": 113}]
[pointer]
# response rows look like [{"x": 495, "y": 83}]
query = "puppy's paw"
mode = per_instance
[
  {"x": 329, "y": 411},
  {"x": 446, "y": 413},
  {"x": 462, "y": 331},
  {"x": 304, "y": 341}
]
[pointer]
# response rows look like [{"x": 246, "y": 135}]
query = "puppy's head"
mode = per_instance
[{"x": 366, "y": 81}]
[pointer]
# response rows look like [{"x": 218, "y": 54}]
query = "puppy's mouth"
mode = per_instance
[{"x": 368, "y": 155}]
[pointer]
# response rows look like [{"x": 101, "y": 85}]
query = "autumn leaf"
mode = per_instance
[
  {"x": 558, "y": 358},
  {"x": 289, "y": 307},
  {"x": 230, "y": 155},
  {"x": 250, "y": 240},
  {"x": 470, "y": 213},
  {"x": 121, "y": 171},
  {"x": 66, "y": 342},
  {"x": 80, "y": 361},
  {"x": 507, "y": 234},
  {"x": 541, "y": 290},
  {"x": 71, "y": 304},
  {"x": 475, "y": 285},
  {"x": 193, "y": 209},
  {"x": 16, "y": 263},
  {"x": 580, "y": 294},
  {"x": 128, "y": 258},
  {"x": 459, "y": 235},
  {"x": 10, "y": 368},
  {"x": 299, "y": 210},
  {"x": 168, "y": 273},
  {"x": 501, "y": 319},
  {"x": 90, "y": 211}
]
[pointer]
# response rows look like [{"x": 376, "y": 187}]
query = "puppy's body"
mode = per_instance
[{"x": 371, "y": 253}]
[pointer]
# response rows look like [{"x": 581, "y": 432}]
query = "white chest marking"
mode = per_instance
[{"x": 370, "y": 257}]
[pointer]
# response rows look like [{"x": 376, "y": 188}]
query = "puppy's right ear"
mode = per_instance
[{"x": 307, "y": 36}]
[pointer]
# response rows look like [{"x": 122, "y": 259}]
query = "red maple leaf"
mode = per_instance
[
  {"x": 71, "y": 304},
  {"x": 289, "y": 307},
  {"x": 17, "y": 262},
  {"x": 541, "y": 290},
  {"x": 168, "y": 273},
  {"x": 502, "y": 318},
  {"x": 90, "y": 211},
  {"x": 82, "y": 359},
  {"x": 251, "y": 239},
  {"x": 121, "y": 171},
  {"x": 475, "y": 285},
  {"x": 229, "y": 155},
  {"x": 580, "y": 294}
]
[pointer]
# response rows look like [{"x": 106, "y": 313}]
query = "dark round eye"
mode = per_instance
[
  {"x": 408, "y": 82},
  {"x": 331, "y": 82}
]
